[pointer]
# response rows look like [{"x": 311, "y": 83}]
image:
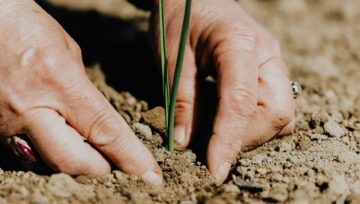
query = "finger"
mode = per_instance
[
  {"x": 276, "y": 105},
  {"x": 92, "y": 115},
  {"x": 186, "y": 100},
  {"x": 237, "y": 72},
  {"x": 287, "y": 130},
  {"x": 61, "y": 146}
]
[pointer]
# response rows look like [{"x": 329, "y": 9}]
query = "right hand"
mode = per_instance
[{"x": 45, "y": 94}]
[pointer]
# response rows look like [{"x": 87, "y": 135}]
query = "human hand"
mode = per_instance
[
  {"x": 45, "y": 94},
  {"x": 255, "y": 100}
]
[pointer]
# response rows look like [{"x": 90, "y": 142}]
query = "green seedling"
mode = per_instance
[{"x": 170, "y": 98}]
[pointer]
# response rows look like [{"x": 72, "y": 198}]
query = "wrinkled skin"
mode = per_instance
[
  {"x": 45, "y": 94},
  {"x": 255, "y": 97}
]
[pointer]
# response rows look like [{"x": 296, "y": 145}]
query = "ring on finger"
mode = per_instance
[
  {"x": 296, "y": 88},
  {"x": 25, "y": 152}
]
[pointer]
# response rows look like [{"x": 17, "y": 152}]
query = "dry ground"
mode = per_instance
[{"x": 319, "y": 163}]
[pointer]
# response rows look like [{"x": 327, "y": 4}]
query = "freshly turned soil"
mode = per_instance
[{"x": 318, "y": 163}]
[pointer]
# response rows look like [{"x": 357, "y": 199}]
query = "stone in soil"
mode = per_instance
[
  {"x": 155, "y": 118},
  {"x": 334, "y": 129},
  {"x": 142, "y": 130}
]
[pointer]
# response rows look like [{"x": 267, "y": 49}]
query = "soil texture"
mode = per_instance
[{"x": 319, "y": 163}]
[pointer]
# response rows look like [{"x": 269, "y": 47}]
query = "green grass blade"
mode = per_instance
[
  {"x": 178, "y": 68},
  {"x": 164, "y": 64}
]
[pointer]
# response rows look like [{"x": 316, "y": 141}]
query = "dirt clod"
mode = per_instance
[
  {"x": 155, "y": 118},
  {"x": 142, "y": 130},
  {"x": 334, "y": 129}
]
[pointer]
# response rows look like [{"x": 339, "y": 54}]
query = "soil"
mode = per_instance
[{"x": 319, "y": 163}]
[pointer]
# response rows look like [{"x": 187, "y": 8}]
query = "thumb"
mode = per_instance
[{"x": 94, "y": 118}]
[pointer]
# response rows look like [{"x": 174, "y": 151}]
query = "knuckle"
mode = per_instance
[
  {"x": 101, "y": 132},
  {"x": 241, "y": 101},
  {"x": 74, "y": 47},
  {"x": 247, "y": 38},
  {"x": 268, "y": 43},
  {"x": 11, "y": 106},
  {"x": 55, "y": 65},
  {"x": 244, "y": 36},
  {"x": 275, "y": 44},
  {"x": 230, "y": 148},
  {"x": 271, "y": 44},
  {"x": 183, "y": 105},
  {"x": 72, "y": 164}
]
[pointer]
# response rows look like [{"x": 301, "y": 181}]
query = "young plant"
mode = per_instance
[{"x": 170, "y": 98}]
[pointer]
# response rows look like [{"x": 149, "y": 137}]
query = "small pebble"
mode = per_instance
[
  {"x": 316, "y": 136},
  {"x": 245, "y": 162},
  {"x": 142, "y": 130},
  {"x": 23, "y": 191},
  {"x": 62, "y": 185},
  {"x": 144, "y": 106},
  {"x": 355, "y": 187},
  {"x": 334, "y": 129},
  {"x": 39, "y": 199},
  {"x": 262, "y": 171},
  {"x": 3, "y": 201},
  {"x": 285, "y": 147},
  {"x": 258, "y": 159},
  {"x": 155, "y": 118},
  {"x": 272, "y": 154},
  {"x": 300, "y": 197},
  {"x": 231, "y": 188},
  {"x": 336, "y": 116},
  {"x": 186, "y": 202},
  {"x": 131, "y": 101},
  {"x": 277, "y": 177},
  {"x": 356, "y": 136},
  {"x": 330, "y": 96},
  {"x": 280, "y": 197},
  {"x": 138, "y": 107},
  {"x": 348, "y": 157},
  {"x": 339, "y": 185}
]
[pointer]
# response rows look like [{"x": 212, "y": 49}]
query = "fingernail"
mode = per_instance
[
  {"x": 222, "y": 172},
  {"x": 180, "y": 134},
  {"x": 153, "y": 178}
]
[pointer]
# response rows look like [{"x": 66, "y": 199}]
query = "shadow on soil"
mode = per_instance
[{"x": 119, "y": 47}]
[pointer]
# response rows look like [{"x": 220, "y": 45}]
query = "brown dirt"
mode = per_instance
[{"x": 319, "y": 163}]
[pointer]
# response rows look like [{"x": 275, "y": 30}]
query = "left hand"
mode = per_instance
[{"x": 255, "y": 100}]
